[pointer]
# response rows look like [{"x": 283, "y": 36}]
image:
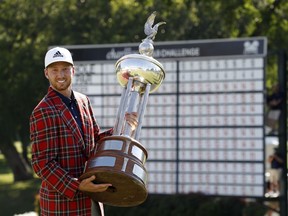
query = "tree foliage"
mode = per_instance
[{"x": 28, "y": 28}]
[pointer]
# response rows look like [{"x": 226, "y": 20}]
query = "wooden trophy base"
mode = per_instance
[{"x": 120, "y": 161}]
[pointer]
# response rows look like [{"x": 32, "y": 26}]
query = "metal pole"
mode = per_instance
[{"x": 282, "y": 81}]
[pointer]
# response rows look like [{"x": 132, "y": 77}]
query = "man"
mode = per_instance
[
  {"x": 64, "y": 133},
  {"x": 276, "y": 162},
  {"x": 275, "y": 103}
]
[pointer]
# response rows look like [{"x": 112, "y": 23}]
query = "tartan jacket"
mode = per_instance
[{"x": 59, "y": 153}]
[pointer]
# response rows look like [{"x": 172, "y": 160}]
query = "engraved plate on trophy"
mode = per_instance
[{"x": 120, "y": 159}]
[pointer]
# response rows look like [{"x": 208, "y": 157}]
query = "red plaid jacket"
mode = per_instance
[{"x": 59, "y": 153}]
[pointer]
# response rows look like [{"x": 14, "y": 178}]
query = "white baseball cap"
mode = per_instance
[{"x": 58, "y": 54}]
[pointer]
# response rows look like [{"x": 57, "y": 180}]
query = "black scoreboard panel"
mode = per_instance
[{"x": 204, "y": 127}]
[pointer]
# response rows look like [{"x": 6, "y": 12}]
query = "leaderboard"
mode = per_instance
[{"x": 204, "y": 127}]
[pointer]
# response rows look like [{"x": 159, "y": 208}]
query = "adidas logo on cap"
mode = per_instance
[{"x": 57, "y": 54}]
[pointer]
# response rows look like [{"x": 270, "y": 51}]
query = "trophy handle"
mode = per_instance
[
  {"x": 123, "y": 103},
  {"x": 141, "y": 111}
]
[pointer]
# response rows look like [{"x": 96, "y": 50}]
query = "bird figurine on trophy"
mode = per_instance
[{"x": 120, "y": 159}]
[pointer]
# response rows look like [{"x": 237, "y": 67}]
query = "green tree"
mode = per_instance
[{"x": 19, "y": 44}]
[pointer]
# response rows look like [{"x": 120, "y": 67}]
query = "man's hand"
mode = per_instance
[
  {"x": 87, "y": 185},
  {"x": 132, "y": 119}
]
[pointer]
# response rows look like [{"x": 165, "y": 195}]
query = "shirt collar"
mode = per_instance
[{"x": 65, "y": 99}]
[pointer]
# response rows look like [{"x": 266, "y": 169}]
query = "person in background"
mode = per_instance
[
  {"x": 274, "y": 103},
  {"x": 276, "y": 162},
  {"x": 64, "y": 134}
]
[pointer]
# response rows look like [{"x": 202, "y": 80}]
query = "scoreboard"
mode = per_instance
[{"x": 204, "y": 127}]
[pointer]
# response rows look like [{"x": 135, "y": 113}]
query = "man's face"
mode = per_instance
[{"x": 60, "y": 76}]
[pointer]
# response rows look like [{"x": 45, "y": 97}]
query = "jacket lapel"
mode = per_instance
[
  {"x": 86, "y": 126},
  {"x": 66, "y": 115}
]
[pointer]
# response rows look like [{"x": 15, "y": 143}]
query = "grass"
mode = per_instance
[
  {"x": 6, "y": 175},
  {"x": 16, "y": 197}
]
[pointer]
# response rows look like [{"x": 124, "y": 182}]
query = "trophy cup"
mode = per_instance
[{"x": 119, "y": 159}]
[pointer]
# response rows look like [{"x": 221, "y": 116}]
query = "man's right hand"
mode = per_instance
[{"x": 87, "y": 185}]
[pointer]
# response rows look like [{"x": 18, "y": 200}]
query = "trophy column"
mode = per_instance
[{"x": 119, "y": 159}]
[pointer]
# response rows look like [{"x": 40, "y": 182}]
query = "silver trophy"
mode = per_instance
[{"x": 119, "y": 159}]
